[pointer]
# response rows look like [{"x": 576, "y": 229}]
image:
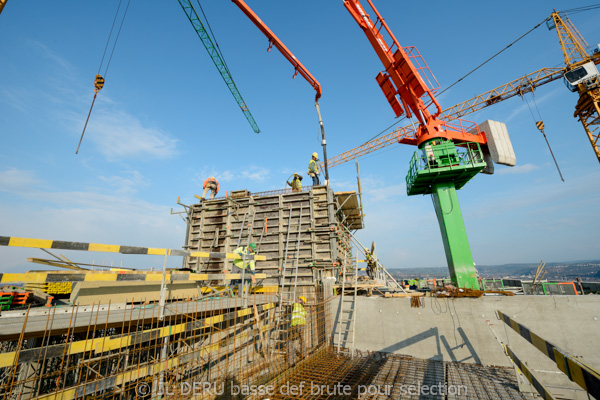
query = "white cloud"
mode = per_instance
[
  {"x": 255, "y": 173},
  {"x": 206, "y": 172},
  {"x": 532, "y": 104},
  {"x": 16, "y": 180},
  {"x": 17, "y": 98},
  {"x": 127, "y": 185},
  {"x": 64, "y": 65},
  {"x": 119, "y": 135},
  {"x": 518, "y": 169},
  {"x": 87, "y": 216}
]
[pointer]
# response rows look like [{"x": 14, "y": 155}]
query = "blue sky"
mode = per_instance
[{"x": 165, "y": 121}]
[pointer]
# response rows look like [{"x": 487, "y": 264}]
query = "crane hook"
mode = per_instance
[{"x": 98, "y": 85}]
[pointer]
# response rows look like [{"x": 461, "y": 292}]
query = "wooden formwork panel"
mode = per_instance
[{"x": 293, "y": 230}]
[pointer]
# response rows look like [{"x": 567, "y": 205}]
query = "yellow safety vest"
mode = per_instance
[
  {"x": 298, "y": 315},
  {"x": 313, "y": 167},
  {"x": 297, "y": 185},
  {"x": 238, "y": 261}
]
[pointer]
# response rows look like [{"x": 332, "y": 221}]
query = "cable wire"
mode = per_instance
[
  {"x": 99, "y": 81},
  {"x": 214, "y": 38},
  {"x": 580, "y": 9},
  {"x": 492, "y": 57},
  {"x": 109, "y": 36},
  {"x": 117, "y": 38},
  {"x": 539, "y": 123}
]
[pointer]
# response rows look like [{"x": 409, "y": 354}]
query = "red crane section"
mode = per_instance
[
  {"x": 404, "y": 80},
  {"x": 274, "y": 41}
]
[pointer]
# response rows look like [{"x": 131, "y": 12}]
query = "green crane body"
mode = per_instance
[
  {"x": 440, "y": 168},
  {"x": 217, "y": 59}
]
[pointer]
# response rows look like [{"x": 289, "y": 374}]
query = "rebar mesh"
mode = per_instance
[{"x": 198, "y": 342}]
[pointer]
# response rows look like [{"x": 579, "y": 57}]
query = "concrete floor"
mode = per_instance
[{"x": 458, "y": 330}]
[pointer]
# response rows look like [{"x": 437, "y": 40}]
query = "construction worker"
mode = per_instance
[
  {"x": 250, "y": 265},
  {"x": 371, "y": 263},
  {"x": 313, "y": 169},
  {"x": 210, "y": 184},
  {"x": 296, "y": 183},
  {"x": 297, "y": 328}
]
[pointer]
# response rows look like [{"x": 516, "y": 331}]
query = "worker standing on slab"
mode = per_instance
[
  {"x": 371, "y": 263},
  {"x": 296, "y": 183},
  {"x": 297, "y": 329},
  {"x": 210, "y": 184},
  {"x": 249, "y": 265},
  {"x": 313, "y": 169}
]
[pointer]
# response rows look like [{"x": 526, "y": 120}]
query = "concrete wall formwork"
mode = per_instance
[{"x": 300, "y": 230}]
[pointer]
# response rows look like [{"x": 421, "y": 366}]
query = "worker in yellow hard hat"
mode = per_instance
[
  {"x": 297, "y": 329},
  {"x": 313, "y": 169},
  {"x": 371, "y": 263},
  {"x": 210, "y": 184},
  {"x": 296, "y": 183}
]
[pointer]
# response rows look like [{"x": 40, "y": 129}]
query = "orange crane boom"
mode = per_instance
[
  {"x": 403, "y": 81},
  {"x": 298, "y": 67},
  {"x": 525, "y": 84},
  {"x": 587, "y": 109},
  {"x": 274, "y": 41}
]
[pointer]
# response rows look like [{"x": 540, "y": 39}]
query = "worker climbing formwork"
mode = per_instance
[
  {"x": 296, "y": 346},
  {"x": 212, "y": 185}
]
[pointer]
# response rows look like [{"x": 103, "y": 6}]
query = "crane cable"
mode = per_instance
[
  {"x": 99, "y": 79},
  {"x": 539, "y": 123},
  {"x": 214, "y": 38}
]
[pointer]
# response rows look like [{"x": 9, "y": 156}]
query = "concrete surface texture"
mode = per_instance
[{"x": 458, "y": 330}]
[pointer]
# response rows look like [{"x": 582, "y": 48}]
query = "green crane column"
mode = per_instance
[{"x": 454, "y": 236}]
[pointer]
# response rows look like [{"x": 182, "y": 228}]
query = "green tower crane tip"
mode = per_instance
[{"x": 217, "y": 59}]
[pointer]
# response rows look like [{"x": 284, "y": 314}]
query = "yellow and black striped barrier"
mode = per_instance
[
  {"x": 577, "y": 371},
  {"x": 115, "y": 276},
  {"x": 108, "y": 343},
  {"x": 546, "y": 395},
  {"x": 111, "y": 248}
]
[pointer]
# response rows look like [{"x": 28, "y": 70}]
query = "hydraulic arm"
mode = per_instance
[{"x": 298, "y": 68}]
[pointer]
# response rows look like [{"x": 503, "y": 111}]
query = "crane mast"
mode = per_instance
[{"x": 438, "y": 168}]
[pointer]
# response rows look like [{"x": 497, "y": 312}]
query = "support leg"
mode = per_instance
[{"x": 454, "y": 236}]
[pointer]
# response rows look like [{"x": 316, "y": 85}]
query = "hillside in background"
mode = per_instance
[{"x": 588, "y": 270}]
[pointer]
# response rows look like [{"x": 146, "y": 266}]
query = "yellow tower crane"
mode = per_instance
[{"x": 581, "y": 76}]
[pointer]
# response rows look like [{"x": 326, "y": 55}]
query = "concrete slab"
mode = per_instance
[{"x": 457, "y": 330}]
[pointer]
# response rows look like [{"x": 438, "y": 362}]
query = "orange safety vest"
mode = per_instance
[{"x": 211, "y": 180}]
